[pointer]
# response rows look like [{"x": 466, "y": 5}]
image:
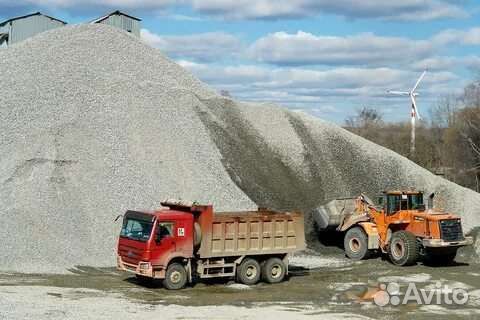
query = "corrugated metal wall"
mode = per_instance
[
  {"x": 30, "y": 26},
  {"x": 123, "y": 22}
]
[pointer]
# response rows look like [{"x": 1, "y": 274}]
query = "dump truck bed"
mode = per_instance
[{"x": 251, "y": 233}]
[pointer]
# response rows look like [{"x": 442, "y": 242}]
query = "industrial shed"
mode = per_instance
[
  {"x": 20, "y": 28},
  {"x": 121, "y": 20}
]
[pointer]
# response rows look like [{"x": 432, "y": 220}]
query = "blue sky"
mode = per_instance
[{"x": 327, "y": 58}]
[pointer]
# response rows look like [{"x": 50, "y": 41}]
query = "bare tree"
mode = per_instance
[
  {"x": 449, "y": 142},
  {"x": 364, "y": 117}
]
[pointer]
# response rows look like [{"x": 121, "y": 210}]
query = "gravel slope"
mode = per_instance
[{"x": 94, "y": 122}]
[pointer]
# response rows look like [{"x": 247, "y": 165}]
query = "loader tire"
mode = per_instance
[
  {"x": 273, "y": 270},
  {"x": 175, "y": 277},
  {"x": 403, "y": 249},
  {"x": 356, "y": 244},
  {"x": 249, "y": 271}
]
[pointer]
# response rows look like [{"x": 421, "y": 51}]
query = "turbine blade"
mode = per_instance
[
  {"x": 414, "y": 105},
  {"x": 419, "y": 80},
  {"x": 399, "y": 93}
]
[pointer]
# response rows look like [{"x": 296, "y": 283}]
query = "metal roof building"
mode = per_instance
[
  {"x": 121, "y": 20},
  {"x": 20, "y": 28}
]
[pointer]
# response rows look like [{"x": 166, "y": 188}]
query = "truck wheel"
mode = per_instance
[
  {"x": 248, "y": 272},
  {"x": 175, "y": 277},
  {"x": 273, "y": 270},
  {"x": 356, "y": 244},
  {"x": 403, "y": 249}
]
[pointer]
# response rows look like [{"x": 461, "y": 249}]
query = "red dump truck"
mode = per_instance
[{"x": 189, "y": 241}]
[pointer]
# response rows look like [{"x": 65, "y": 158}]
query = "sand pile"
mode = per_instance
[{"x": 94, "y": 122}]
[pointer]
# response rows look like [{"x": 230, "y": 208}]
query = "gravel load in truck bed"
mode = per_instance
[{"x": 95, "y": 122}]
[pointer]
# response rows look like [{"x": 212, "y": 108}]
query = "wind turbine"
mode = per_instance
[{"x": 414, "y": 113}]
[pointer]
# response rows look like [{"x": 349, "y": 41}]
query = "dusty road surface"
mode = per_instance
[{"x": 330, "y": 287}]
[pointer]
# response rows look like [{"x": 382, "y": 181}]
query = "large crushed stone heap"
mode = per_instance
[{"x": 94, "y": 122}]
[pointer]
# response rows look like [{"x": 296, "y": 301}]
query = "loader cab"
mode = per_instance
[{"x": 395, "y": 201}]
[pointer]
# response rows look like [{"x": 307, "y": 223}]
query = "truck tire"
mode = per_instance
[
  {"x": 273, "y": 270},
  {"x": 175, "y": 277},
  {"x": 403, "y": 249},
  {"x": 248, "y": 272},
  {"x": 356, "y": 244}
]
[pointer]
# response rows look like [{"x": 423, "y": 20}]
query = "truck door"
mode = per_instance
[{"x": 164, "y": 242}]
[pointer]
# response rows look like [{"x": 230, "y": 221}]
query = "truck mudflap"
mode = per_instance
[{"x": 440, "y": 243}]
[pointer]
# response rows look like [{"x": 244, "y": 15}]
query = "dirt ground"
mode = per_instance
[{"x": 329, "y": 286}]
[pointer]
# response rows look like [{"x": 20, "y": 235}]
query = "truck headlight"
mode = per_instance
[{"x": 144, "y": 265}]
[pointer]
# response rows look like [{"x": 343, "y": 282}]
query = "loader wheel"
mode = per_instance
[
  {"x": 175, "y": 277},
  {"x": 273, "y": 270},
  {"x": 356, "y": 244},
  {"x": 248, "y": 272},
  {"x": 403, "y": 249}
]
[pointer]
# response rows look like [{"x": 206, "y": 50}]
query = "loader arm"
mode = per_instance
[{"x": 362, "y": 213}]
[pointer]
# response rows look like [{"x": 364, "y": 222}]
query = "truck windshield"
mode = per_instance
[{"x": 136, "y": 229}]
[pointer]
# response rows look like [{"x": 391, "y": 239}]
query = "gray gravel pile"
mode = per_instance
[{"x": 94, "y": 122}]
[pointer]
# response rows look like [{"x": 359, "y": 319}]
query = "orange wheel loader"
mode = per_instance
[{"x": 399, "y": 225}]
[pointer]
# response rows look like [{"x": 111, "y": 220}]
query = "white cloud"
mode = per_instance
[
  {"x": 200, "y": 47},
  {"x": 363, "y": 49},
  {"x": 376, "y": 9},
  {"x": 367, "y": 49},
  {"x": 182, "y": 17},
  {"x": 302, "y": 48},
  {"x": 253, "y": 80},
  {"x": 312, "y": 90},
  {"x": 439, "y": 63},
  {"x": 408, "y": 10},
  {"x": 80, "y": 7},
  {"x": 453, "y": 36},
  {"x": 71, "y": 4}
]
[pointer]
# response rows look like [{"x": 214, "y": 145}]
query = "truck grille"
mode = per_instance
[
  {"x": 451, "y": 230},
  {"x": 129, "y": 254}
]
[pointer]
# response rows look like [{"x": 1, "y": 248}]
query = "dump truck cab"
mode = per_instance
[
  {"x": 399, "y": 224},
  {"x": 151, "y": 240}
]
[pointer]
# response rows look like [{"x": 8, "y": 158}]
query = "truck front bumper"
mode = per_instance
[
  {"x": 439, "y": 243},
  {"x": 143, "y": 268}
]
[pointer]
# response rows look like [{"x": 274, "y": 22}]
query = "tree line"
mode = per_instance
[{"x": 447, "y": 144}]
